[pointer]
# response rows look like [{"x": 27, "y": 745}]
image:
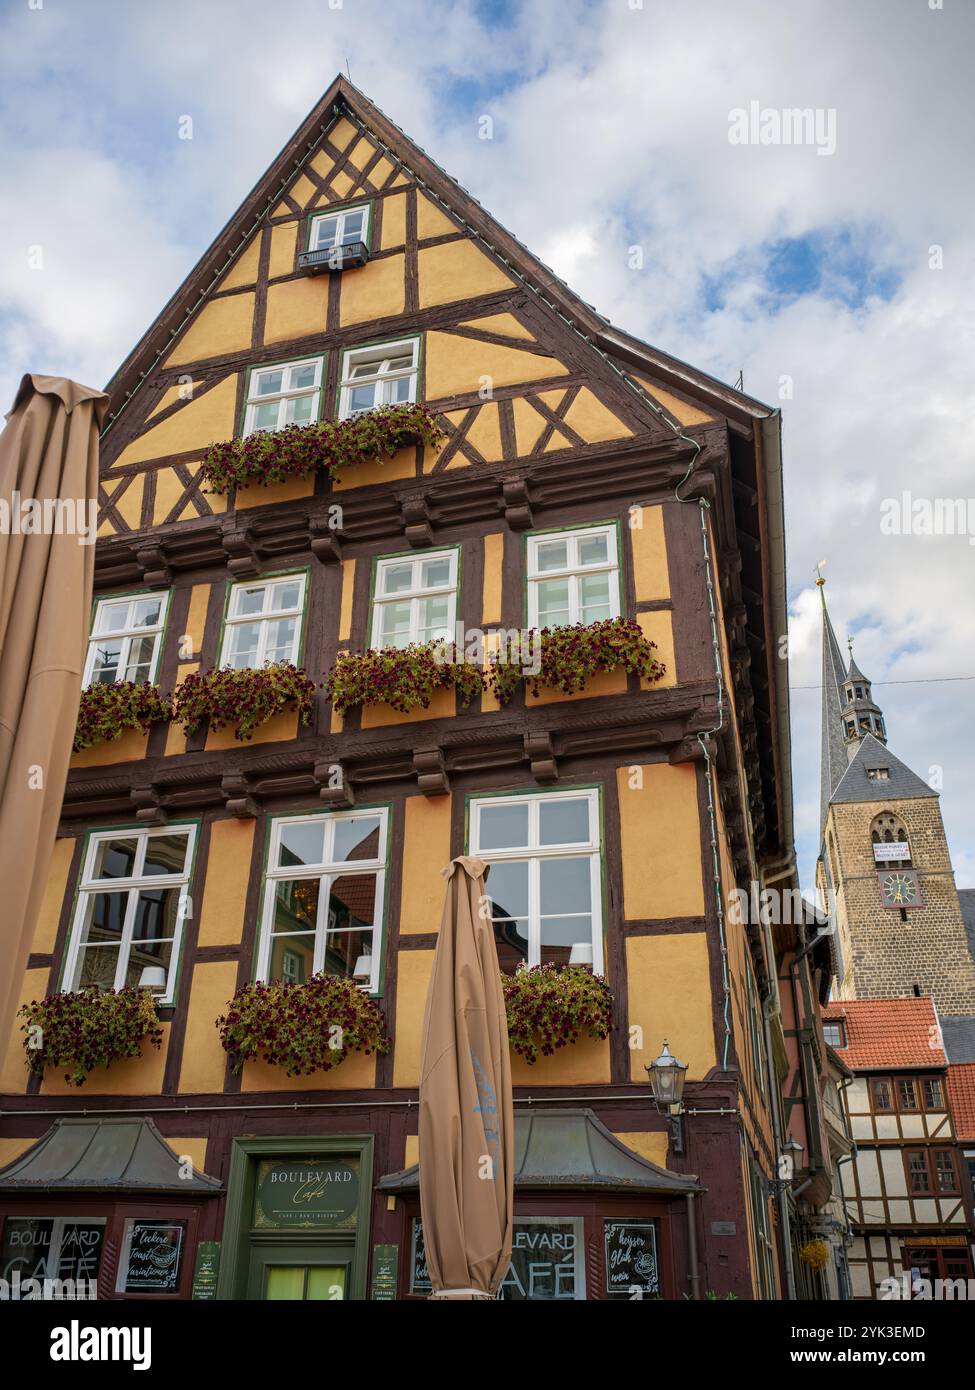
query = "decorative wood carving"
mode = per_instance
[
  {"x": 517, "y": 504},
  {"x": 238, "y": 546},
  {"x": 541, "y": 756},
  {"x": 237, "y": 793},
  {"x": 431, "y": 771}
]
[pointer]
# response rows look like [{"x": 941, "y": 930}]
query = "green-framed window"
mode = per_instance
[
  {"x": 286, "y": 393},
  {"x": 264, "y": 621},
  {"x": 379, "y": 374},
  {"x": 126, "y": 638},
  {"x": 132, "y": 900},
  {"x": 339, "y": 227},
  {"x": 545, "y": 882},
  {"x": 324, "y": 897},
  {"x": 573, "y": 576},
  {"x": 415, "y": 598}
]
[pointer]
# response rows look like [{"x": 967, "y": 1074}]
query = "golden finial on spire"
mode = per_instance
[{"x": 819, "y": 578}]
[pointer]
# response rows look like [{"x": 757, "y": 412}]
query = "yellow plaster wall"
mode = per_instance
[
  {"x": 430, "y": 220},
  {"x": 442, "y": 706},
  {"x": 412, "y": 982},
  {"x": 455, "y": 365},
  {"x": 493, "y": 560},
  {"x": 171, "y": 395},
  {"x": 377, "y": 291},
  {"x": 13, "y": 1148},
  {"x": 394, "y": 221},
  {"x": 128, "y": 504},
  {"x": 401, "y": 465},
  {"x": 651, "y": 1144},
  {"x": 506, "y": 324},
  {"x": 287, "y": 491},
  {"x": 133, "y": 1076},
  {"x": 55, "y": 887},
  {"x": 648, "y": 548},
  {"x": 206, "y": 419},
  {"x": 412, "y": 1150},
  {"x": 484, "y": 434},
  {"x": 529, "y": 424},
  {"x": 129, "y": 747},
  {"x": 281, "y": 726},
  {"x": 244, "y": 269},
  {"x": 196, "y": 617},
  {"x": 348, "y": 593},
  {"x": 194, "y": 1149},
  {"x": 282, "y": 258},
  {"x": 14, "y": 1073},
  {"x": 594, "y": 421},
  {"x": 669, "y": 994},
  {"x": 603, "y": 683},
  {"x": 221, "y": 326},
  {"x": 660, "y": 841},
  {"x": 357, "y": 1072},
  {"x": 426, "y": 850},
  {"x": 582, "y": 1063},
  {"x": 204, "y": 1060},
  {"x": 296, "y": 308},
  {"x": 658, "y": 627},
  {"x": 682, "y": 412},
  {"x": 225, "y": 890},
  {"x": 457, "y": 270}
]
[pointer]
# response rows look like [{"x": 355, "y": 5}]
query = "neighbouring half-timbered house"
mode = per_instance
[
  {"x": 578, "y": 478},
  {"x": 905, "y": 1197}
]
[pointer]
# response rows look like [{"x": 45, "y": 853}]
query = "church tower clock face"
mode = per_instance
[{"x": 900, "y": 888}]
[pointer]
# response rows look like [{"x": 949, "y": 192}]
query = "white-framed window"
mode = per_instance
[
  {"x": 126, "y": 637},
  {"x": 573, "y": 577},
  {"x": 132, "y": 899},
  {"x": 288, "y": 393},
  {"x": 344, "y": 227},
  {"x": 263, "y": 623},
  {"x": 415, "y": 599},
  {"x": 384, "y": 374},
  {"x": 545, "y": 882},
  {"x": 323, "y": 897}
]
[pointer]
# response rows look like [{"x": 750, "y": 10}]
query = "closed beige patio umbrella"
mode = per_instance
[
  {"x": 467, "y": 1131},
  {"x": 48, "y": 484}
]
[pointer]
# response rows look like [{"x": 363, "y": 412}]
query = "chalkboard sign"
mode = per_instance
[
  {"x": 631, "y": 1258},
  {"x": 152, "y": 1256}
]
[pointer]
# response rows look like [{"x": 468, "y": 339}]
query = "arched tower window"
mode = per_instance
[{"x": 889, "y": 829}]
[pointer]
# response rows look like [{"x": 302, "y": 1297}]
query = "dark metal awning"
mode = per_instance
[
  {"x": 118, "y": 1155},
  {"x": 571, "y": 1149}
]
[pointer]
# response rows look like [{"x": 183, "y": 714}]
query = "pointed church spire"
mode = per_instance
[
  {"x": 834, "y": 759},
  {"x": 860, "y": 715}
]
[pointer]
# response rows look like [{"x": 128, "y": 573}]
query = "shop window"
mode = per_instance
[
  {"x": 547, "y": 1261},
  {"x": 545, "y": 879},
  {"x": 66, "y": 1249},
  {"x": 132, "y": 900},
  {"x": 152, "y": 1256},
  {"x": 323, "y": 897}
]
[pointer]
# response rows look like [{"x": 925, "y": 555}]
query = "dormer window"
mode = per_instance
[
  {"x": 859, "y": 692},
  {"x": 384, "y": 374},
  {"x": 851, "y": 728},
  {"x": 337, "y": 240},
  {"x": 878, "y": 774}
]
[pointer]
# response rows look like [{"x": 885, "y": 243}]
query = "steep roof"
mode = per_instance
[
  {"x": 961, "y": 1097},
  {"x": 959, "y": 1037},
  {"x": 834, "y": 757},
  {"x": 901, "y": 785},
  {"x": 888, "y": 1034},
  {"x": 342, "y": 98}
]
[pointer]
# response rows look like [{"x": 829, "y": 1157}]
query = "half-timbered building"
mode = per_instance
[{"x": 583, "y": 476}]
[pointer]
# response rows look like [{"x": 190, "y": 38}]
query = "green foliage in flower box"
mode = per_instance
[
  {"x": 87, "y": 1029},
  {"x": 302, "y": 1028},
  {"x": 246, "y": 699},
  {"x": 106, "y": 711},
  {"x": 331, "y": 446},
  {"x": 549, "y": 1006},
  {"x": 572, "y": 655},
  {"x": 405, "y": 678}
]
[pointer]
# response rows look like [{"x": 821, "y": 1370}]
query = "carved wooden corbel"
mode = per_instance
[
  {"x": 416, "y": 520},
  {"x": 151, "y": 559},
  {"x": 517, "y": 504},
  {"x": 236, "y": 791},
  {"x": 334, "y": 787},
  {"x": 431, "y": 771},
  {"x": 149, "y": 807},
  {"x": 325, "y": 540},
  {"x": 238, "y": 546},
  {"x": 541, "y": 755}
]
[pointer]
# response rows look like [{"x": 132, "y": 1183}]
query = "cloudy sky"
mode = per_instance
[{"x": 813, "y": 274}]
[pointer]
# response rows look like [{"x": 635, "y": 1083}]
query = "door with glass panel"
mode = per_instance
[{"x": 282, "y": 1273}]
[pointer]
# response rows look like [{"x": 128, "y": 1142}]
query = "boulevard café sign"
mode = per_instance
[{"x": 308, "y": 1193}]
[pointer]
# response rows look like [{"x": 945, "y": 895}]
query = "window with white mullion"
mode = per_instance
[
  {"x": 132, "y": 901},
  {"x": 288, "y": 393},
  {"x": 545, "y": 880},
  {"x": 126, "y": 636},
  {"x": 263, "y": 625},
  {"x": 324, "y": 897},
  {"x": 340, "y": 228},
  {"x": 415, "y": 599},
  {"x": 385, "y": 374},
  {"x": 573, "y": 577}
]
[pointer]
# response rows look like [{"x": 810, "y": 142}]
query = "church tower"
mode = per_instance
[{"x": 898, "y": 924}]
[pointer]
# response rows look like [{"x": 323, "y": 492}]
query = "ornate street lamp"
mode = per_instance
[{"x": 667, "y": 1075}]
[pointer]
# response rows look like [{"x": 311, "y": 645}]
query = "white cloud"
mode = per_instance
[{"x": 611, "y": 129}]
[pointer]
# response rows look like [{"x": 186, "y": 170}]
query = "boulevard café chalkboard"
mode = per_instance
[
  {"x": 307, "y": 1193},
  {"x": 631, "y": 1258}
]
